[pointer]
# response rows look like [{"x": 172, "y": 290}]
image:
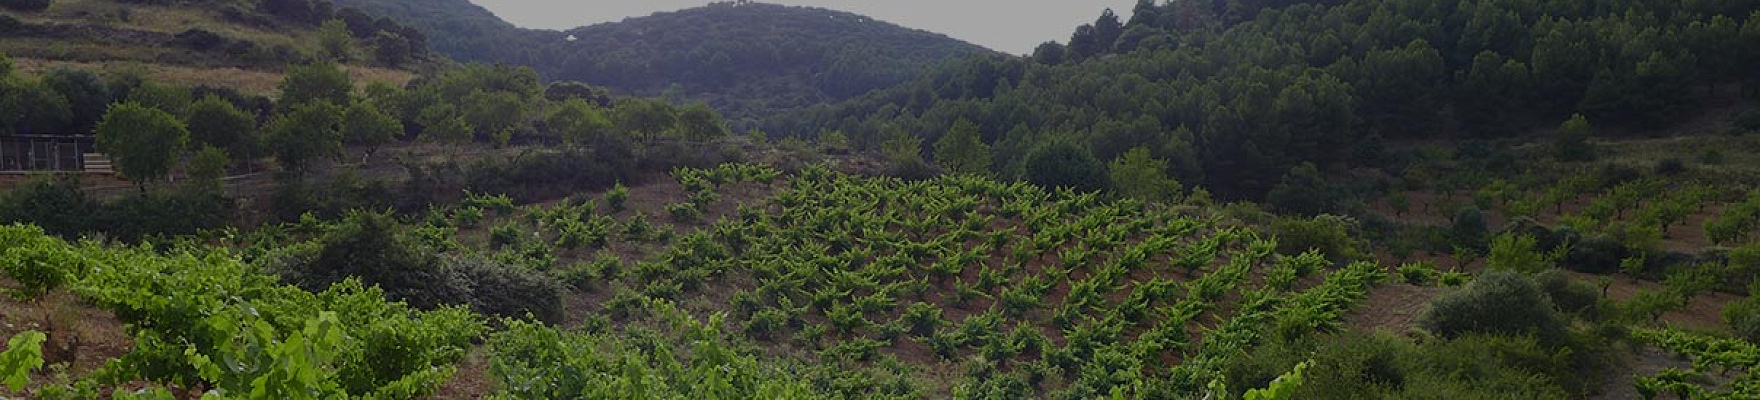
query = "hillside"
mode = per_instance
[
  {"x": 746, "y": 60},
  {"x": 1344, "y": 199},
  {"x": 1235, "y": 96},
  {"x": 241, "y": 45}
]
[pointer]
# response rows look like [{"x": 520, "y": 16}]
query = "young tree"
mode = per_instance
[
  {"x": 216, "y": 122},
  {"x": 307, "y": 133},
  {"x": 961, "y": 151},
  {"x": 442, "y": 123},
  {"x": 335, "y": 42},
  {"x": 365, "y": 125},
  {"x": 1571, "y": 141},
  {"x": 315, "y": 82},
  {"x": 142, "y": 142},
  {"x": 1135, "y": 174},
  {"x": 834, "y": 142},
  {"x": 579, "y": 122},
  {"x": 493, "y": 112},
  {"x": 207, "y": 169},
  {"x": 698, "y": 122},
  {"x": 645, "y": 119}
]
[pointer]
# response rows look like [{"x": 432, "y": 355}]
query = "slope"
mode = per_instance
[
  {"x": 746, "y": 60},
  {"x": 1235, "y": 100},
  {"x": 236, "y": 44}
]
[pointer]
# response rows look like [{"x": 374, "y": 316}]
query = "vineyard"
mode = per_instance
[
  {"x": 753, "y": 282},
  {"x": 833, "y": 285}
]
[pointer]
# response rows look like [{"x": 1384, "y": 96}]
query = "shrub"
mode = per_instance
[
  {"x": 1468, "y": 228},
  {"x": 1330, "y": 234},
  {"x": 55, "y": 204},
  {"x": 1496, "y": 303},
  {"x": 1061, "y": 164},
  {"x": 1596, "y": 254},
  {"x": 509, "y": 291},
  {"x": 373, "y": 247},
  {"x": 165, "y": 212},
  {"x": 1569, "y": 295},
  {"x": 1743, "y": 317},
  {"x": 1513, "y": 252}
]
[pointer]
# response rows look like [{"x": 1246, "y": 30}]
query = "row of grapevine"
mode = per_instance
[
  {"x": 1735, "y": 362},
  {"x": 202, "y": 319},
  {"x": 1739, "y": 222},
  {"x": 1033, "y": 292}
]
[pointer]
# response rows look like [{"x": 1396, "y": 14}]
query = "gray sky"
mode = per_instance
[{"x": 1013, "y": 26}]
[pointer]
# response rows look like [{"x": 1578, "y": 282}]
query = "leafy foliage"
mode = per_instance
[
  {"x": 143, "y": 142},
  {"x": 1496, "y": 303},
  {"x": 23, "y": 355}
]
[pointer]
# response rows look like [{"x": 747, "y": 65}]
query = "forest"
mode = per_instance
[{"x": 1240, "y": 199}]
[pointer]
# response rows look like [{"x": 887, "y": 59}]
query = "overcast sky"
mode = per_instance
[{"x": 1013, "y": 26}]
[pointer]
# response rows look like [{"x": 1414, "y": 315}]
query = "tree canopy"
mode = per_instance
[
  {"x": 142, "y": 142},
  {"x": 305, "y": 134}
]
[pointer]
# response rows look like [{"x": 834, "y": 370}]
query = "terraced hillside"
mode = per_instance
[{"x": 219, "y": 43}]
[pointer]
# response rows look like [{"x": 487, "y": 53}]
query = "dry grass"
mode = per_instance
[
  {"x": 245, "y": 80},
  {"x": 83, "y": 50}
]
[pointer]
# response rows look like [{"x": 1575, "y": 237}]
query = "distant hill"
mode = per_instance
[{"x": 744, "y": 59}]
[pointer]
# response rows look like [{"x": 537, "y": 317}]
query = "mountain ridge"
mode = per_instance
[{"x": 745, "y": 59}]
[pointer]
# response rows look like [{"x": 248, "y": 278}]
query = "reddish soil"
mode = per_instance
[
  {"x": 472, "y": 380},
  {"x": 1392, "y": 307},
  {"x": 1646, "y": 361},
  {"x": 81, "y": 338}
]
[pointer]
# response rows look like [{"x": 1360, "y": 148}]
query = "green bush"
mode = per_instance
[
  {"x": 1743, "y": 317},
  {"x": 374, "y": 248},
  {"x": 1330, "y": 234},
  {"x": 509, "y": 291},
  {"x": 1569, "y": 295},
  {"x": 1596, "y": 254},
  {"x": 1383, "y": 366},
  {"x": 1061, "y": 164},
  {"x": 1468, "y": 228},
  {"x": 55, "y": 204},
  {"x": 1496, "y": 303}
]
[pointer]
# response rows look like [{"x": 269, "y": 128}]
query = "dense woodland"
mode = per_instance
[
  {"x": 1234, "y": 95},
  {"x": 1221, "y": 200},
  {"x": 745, "y": 60}
]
